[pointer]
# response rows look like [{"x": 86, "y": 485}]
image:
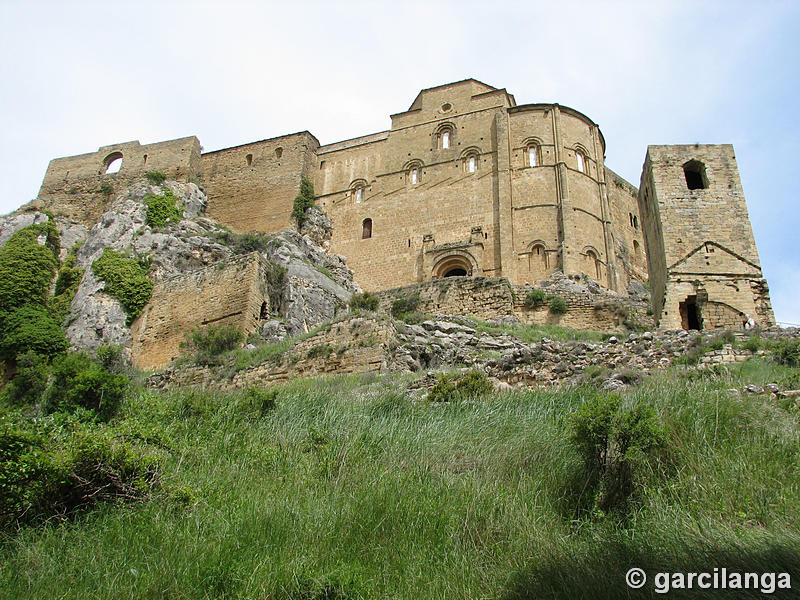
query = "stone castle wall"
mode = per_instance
[
  {"x": 467, "y": 182},
  {"x": 252, "y": 187},
  {"x": 233, "y": 292},
  {"x": 78, "y": 187}
]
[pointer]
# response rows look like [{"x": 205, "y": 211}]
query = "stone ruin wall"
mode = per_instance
[
  {"x": 700, "y": 242},
  {"x": 493, "y": 298},
  {"x": 231, "y": 292},
  {"x": 78, "y": 187}
]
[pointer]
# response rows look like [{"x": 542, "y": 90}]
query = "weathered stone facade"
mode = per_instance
[
  {"x": 467, "y": 182},
  {"x": 703, "y": 263}
]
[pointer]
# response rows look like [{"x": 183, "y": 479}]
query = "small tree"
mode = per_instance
[
  {"x": 613, "y": 443},
  {"x": 558, "y": 306}
]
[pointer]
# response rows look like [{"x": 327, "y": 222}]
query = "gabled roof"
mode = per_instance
[
  {"x": 726, "y": 262},
  {"x": 479, "y": 85}
]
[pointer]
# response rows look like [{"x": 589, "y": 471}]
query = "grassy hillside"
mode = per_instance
[{"x": 349, "y": 489}]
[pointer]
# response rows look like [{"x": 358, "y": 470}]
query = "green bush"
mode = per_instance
[
  {"x": 787, "y": 352},
  {"x": 162, "y": 209},
  {"x": 535, "y": 297},
  {"x": 126, "y": 280},
  {"x": 81, "y": 382},
  {"x": 27, "y": 268},
  {"x": 365, "y": 301},
  {"x": 30, "y": 382},
  {"x": 106, "y": 188},
  {"x": 405, "y": 304},
  {"x": 30, "y": 328},
  {"x": 208, "y": 343},
  {"x": 155, "y": 177},
  {"x": 557, "y": 306},
  {"x": 261, "y": 400},
  {"x": 303, "y": 201},
  {"x": 243, "y": 243},
  {"x": 613, "y": 443},
  {"x": 42, "y": 477},
  {"x": 454, "y": 387}
]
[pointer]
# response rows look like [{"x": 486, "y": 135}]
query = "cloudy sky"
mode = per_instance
[{"x": 80, "y": 75}]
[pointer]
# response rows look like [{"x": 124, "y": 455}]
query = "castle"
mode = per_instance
[{"x": 466, "y": 182}]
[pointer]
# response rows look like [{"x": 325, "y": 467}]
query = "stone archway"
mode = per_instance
[{"x": 454, "y": 265}]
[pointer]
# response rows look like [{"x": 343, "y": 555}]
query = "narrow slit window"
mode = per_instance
[
  {"x": 366, "y": 229},
  {"x": 473, "y": 164},
  {"x": 581, "y": 161},
  {"x": 414, "y": 176},
  {"x": 359, "y": 194},
  {"x": 249, "y": 159},
  {"x": 446, "y": 139},
  {"x": 533, "y": 156}
]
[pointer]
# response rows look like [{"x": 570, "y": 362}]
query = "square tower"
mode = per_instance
[{"x": 704, "y": 267}]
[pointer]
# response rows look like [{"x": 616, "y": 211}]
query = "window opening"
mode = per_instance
[
  {"x": 695, "y": 173},
  {"x": 473, "y": 163},
  {"x": 113, "y": 163},
  {"x": 414, "y": 176},
  {"x": 366, "y": 229},
  {"x": 249, "y": 159},
  {"x": 581, "y": 163},
  {"x": 359, "y": 194},
  {"x": 457, "y": 272},
  {"x": 446, "y": 139},
  {"x": 278, "y": 152},
  {"x": 533, "y": 156}
]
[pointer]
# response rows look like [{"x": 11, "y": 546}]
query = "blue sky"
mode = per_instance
[{"x": 80, "y": 75}]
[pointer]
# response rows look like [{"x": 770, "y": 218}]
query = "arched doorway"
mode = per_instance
[{"x": 455, "y": 265}]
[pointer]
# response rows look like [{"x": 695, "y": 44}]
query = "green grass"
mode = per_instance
[
  {"x": 535, "y": 333},
  {"x": 349, "y": 489}
]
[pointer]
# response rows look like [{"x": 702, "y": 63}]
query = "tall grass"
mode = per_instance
[{"x": 349, "y": 489}]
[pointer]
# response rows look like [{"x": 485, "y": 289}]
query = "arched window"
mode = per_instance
[
  {"x": 445, "y": 139},
  {"x": 366, "y": 229},
  {"x": 358, "y": 190},
  {"x": 533, "y": 155},
  {"x": 414, "y": 172},
  {"x": 581, "y": 160},
  {"x": 636, "y": 249},
  {"x": 249, "y": 160},
  {"x": 695, "y": 173},
  {"x": 538, "y": 261},
  {"x": 113, "y": 163},
  {"x": 593, "y": 264}
]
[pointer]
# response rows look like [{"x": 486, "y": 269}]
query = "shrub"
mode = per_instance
[
  {"x": 613, "y": 443},
  {"x": 453, "y": 387},
  {"x": 27, "y": 268},
  {"x": 405, "y": 304},
  {"x": 162, "y": 209},
  {"x": 261, "y": 400},
  {"x": 243, "y": 243},
  {"x": 207, "y": 343},
  {"x": 319, "y": 351},
  {"x": 557, "y": 306},
  {"x": 42, "y": 478},
  {"x": 535, "y": 297},
  {"x": 30, "y": 382},
  {"x": 155, "y": 177},
  {"x": 365, "y": 301},
  {"x": 106, "y": 188},
  {"x": 787, "y": 352},
  {"x": 126, "y": 280},
  {"x": 81, "y": 382},
  {"x": 303, "y": 201},
  {"x": 30, "y": 328}
]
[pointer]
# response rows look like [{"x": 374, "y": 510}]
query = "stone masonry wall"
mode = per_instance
[
  {"x": 252, "y": 187},
  {"x": 78, "y": 187},
  {"x": 493, "y": 298},
  {"x": 701, "y": 246},
  {"x": 230, "y": 292}
]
